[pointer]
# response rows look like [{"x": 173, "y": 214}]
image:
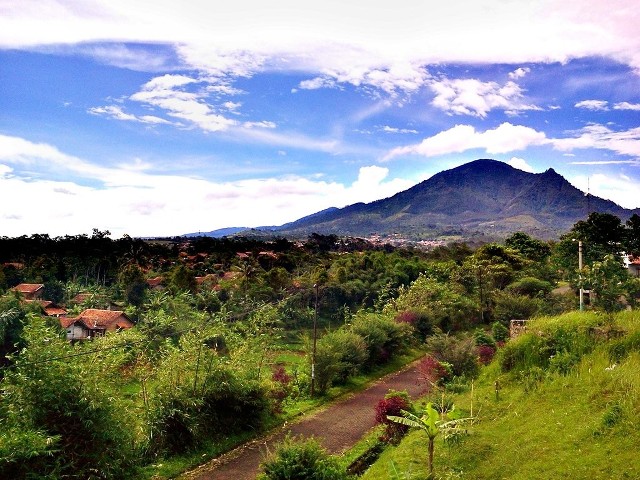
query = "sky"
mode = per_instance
[{"x": 160, "y": 118}]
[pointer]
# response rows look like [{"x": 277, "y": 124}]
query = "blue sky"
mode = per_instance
[{"x": 156, "y": 118}]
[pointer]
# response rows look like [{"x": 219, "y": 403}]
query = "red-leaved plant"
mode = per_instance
[{"x": 393, "y": 403}]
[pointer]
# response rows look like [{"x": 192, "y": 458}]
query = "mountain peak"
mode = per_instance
[{"x": 482, "y": 197}]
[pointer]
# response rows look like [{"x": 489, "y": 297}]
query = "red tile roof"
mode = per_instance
[
  {"x": 28, "y": 287},
  {"x": 93, "y": 318}
]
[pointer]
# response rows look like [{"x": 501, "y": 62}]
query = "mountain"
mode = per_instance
[{"x": 483, "y": 197}]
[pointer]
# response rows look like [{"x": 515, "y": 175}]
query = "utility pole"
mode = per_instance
[
  {"x": 315, "y": 336},
  {"x": 580, "y": 269}
]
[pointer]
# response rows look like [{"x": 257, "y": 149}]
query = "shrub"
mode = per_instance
[
  {"x": 531, "y": 287},
  {"x": 419, "y": 321},
  {"x": 302, "y": 459},
  {"x": 66, "y": 406},
  {"x": 499, "y": 332},
  {"x": 199, "y": 396},
  {"x": 509, "y": 306},
  {"x": 281, "y": 389},
  {"x": 485, "y": 354},
  {"x": 433, "y": 371},
  {"x": 460, "y": 353},
  {"x": 483, "y": 338},
  {"x": 393, "y": 403},
  {"x": 383, "y": 336},
  {"x": 527, "y": 351}
]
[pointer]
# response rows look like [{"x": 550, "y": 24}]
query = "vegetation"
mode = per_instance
[
  {"x": 529, "y": 392},
  {"x": 222, "y": 345}
]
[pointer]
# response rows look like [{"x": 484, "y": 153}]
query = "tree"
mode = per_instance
[
  {"x": 431, "y": 424},
  {"x": 609, "y": 281},
  {"x": 133, "y": 284},
  {"x": 632, "y": 235},
  {"x": 182, "y": 279},
  {"x": 529, "y": 247}
]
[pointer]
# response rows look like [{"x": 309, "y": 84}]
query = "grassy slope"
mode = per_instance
[{"x": 582, "y": 425}]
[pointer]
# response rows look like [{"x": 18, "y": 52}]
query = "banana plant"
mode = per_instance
[{"x": 431, "y": 423}]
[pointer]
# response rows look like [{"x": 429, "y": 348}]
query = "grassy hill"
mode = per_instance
[{"x": 568, "y": 407}]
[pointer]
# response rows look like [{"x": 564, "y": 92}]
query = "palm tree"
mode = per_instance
[{"x": 431, "y": 424}]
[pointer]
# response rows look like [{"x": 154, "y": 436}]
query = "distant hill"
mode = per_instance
[{"x": 483, "y": 197}]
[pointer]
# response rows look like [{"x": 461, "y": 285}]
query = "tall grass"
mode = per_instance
[{"x": 580, "y": 421}]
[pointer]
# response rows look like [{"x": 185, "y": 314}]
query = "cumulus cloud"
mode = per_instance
[
  {"x": 476, "y": 98},
  {"x": 520, "y": 164},
  {"x": 503, "y": 139},
  {"x": 593, "y": 105},
  {"x": 519, "y": 73},
  {"x": 627, "y": 106},
  {"x": 600, "y": 137},
  {"x": 125, "y": 198}
]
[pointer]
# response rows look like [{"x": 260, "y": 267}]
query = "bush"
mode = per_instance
[
  {"x": 485, "y": 354},
  {"x": 303, "y": 460},
  {"x": 531, "y": 287},
  {"x": 460, "y": 353},
  {"x": 351, "y": 350},
  {"x": 419, "y": 321},
  {"x": 499, "y": 332},
  {"x": 509, "y": 306},
  {"x": 527, "y": 351},
  {"x": 385, "y": 338},
  {"x": 393, "y": 403},
  {"x": 433, "y": 371},
  {"x": 66, "y": 406},
  {"x": 199, "y": 396}
]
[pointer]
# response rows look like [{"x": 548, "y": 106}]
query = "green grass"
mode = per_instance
[{"x": 584, "y": 424}]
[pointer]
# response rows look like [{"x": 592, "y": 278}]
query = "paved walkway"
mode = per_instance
[{"x": 337, "y": 427}]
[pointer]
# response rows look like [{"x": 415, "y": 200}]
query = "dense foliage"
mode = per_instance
[{"x": 223, "y": 337}]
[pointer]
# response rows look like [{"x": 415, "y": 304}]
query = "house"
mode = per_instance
[
  {"x": 156, "y": 283},
  {"x": 30, "y": 291},
  {"x": 632, "y": 264},
  {"x": 95, "y": 323},
  {"x": 50, "y": 308}
]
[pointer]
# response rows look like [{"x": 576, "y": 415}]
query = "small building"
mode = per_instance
[
  {"x": 30, "y": 291},
  {"x": 156, "y": 283},
  {"x": 95, "y": 323},
  {"x": 50, "y": 308},
  {"x": 633, "y": 265}
]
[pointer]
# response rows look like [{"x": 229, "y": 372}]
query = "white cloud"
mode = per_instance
[
  {"x": 627, "y": 106},
  {"x": 476, "y": 98},
  {"x": 618, "y": 188},
  {"x": 603, "y": 138},
  {"x": 519, "y": 73},
  {"x": 520, "y": 164},
  {"x": 115, "y": 111},
  {"x": 388, "y": 129},
  {"x": 503, "y": 139},
  {"x": 263, "y": 124},
  {"x": 316, "y": 83},
  {"x": 141, "y": 203},
  {"x": 593, "y": 105},
  {"x": 164, "y": 92},
  {"x": 378, "y": 47}
]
